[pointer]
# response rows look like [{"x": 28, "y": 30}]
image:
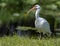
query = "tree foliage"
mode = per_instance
[{"x": 9, "y": 7}]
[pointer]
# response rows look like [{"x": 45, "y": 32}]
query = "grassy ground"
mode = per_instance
[{"x": 25, "y": 41}]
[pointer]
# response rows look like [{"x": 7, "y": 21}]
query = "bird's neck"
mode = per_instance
[{"x": 37, "y": 13}]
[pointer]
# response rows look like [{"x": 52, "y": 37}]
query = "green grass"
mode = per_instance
[{"x": 26, "y": 41}]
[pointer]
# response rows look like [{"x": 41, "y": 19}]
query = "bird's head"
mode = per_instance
[{"x": 35, "y": 7}]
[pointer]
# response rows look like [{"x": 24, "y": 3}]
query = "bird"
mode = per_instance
[{"x": 41, "y": 24}]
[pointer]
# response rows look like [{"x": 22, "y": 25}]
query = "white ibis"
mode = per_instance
[{"x": 40, "y": 23}]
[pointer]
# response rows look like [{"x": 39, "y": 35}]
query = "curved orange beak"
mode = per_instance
[{"x": 31, "y": 10}]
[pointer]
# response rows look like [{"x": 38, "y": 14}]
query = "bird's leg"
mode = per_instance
[
  {"x": 45, "y": 35},
  {"x": 49, "y": 35},
  {"x": 41, "y": 35}
]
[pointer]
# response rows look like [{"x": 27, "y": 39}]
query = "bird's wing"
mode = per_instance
[{"x": 42, "y": 24}]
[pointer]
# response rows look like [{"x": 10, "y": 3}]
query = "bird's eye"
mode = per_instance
[{"x": 35, "y": 6}]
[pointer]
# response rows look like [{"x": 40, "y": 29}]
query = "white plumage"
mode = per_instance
[{"x": 40, "y": 23}]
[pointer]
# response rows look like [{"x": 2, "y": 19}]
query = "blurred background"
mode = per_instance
[{"x": 12, "y": 12}]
